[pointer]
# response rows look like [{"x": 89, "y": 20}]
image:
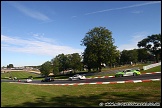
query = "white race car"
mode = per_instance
[
  {"x": 28, "y": 80},
  {"x": 77, "y": 77}
]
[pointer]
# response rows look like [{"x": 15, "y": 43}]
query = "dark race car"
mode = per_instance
[{"x": 47, "y": 79}]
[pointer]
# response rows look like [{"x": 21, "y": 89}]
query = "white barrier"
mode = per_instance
[{"x": 151, "y": 66}]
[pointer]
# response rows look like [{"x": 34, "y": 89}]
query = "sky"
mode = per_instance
[{"x": 33, "y": 32}]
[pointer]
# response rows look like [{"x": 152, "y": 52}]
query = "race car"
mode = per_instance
[
  {"x": 28, "y": 80},
  {"x": 77, "y": 77},
  {"x": 128, "y": 72},
  {"x": 47, "y": 79}
]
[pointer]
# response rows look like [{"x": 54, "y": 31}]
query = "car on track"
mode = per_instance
[
  {"x": 15, "y": 78},
  {"x": 28, "y": 80},
  {"x": 47, "y": 79},
  {"x": 128, "y": 72},
  {"x": 18, "y": 80},
  {"x": 77, "y": 77}
]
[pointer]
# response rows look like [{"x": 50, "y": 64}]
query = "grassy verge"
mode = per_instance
[
  {"x": 18, "y": 95},
  {"x": 155, "y": 69},
  {"x": 19, "y": 74}
]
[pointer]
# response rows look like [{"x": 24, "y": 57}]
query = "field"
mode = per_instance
[{"x": 19, "y": 95}]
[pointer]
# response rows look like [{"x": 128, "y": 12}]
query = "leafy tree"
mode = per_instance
[
  {"x": 124, "y": 57},
  {"x": 117, "y": 58},
  {"x": 143, "y": 55},
  {"x": 75, "y": 61},
  {"x": 89, "y": 59},
  {"x": 113, "y": 56},
  {"x": 128, "y": 56},
  {"x": 133, "y": 55},
  {"x": 55, "y": 63},
  {"x": 99, "y": 47},
  {"x": 63, "y": 62},
  {"x": 152, "y": 44},
  {"x": 46, "y": 68},
  {"x": 10, "y": 66}
]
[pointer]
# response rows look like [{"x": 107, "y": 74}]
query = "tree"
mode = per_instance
[
  {"x": 63, "y": 62},
  {"x": 55, "y": 63},
  {"x": 124, "y": 57},
  {"x": 113, "y": 56},
  {"x": 133, "y": 55},
  {"x": 75, "y": 61},
  {"x": 128, "y": 56},
  {"x": 99, "y": 47},
  {"x": 152, "y": 44},
  {"x": 89, "y": 59},
  {"x": 143, "y": 55},
  {"x": 116, "y": 60},
  {"x": 46, "y": 68},
  {"x": 10, "y": 66}
]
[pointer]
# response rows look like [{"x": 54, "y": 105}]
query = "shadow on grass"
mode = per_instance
[{"x": 85, "y": 101}]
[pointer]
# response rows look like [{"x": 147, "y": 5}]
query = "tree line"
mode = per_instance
[{"x": 100, "y": 49}]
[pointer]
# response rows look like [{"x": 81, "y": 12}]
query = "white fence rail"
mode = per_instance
[{"x": 151, "y": 66}]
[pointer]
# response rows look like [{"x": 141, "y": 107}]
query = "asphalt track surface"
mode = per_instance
[{"x": 141, "y": 78}]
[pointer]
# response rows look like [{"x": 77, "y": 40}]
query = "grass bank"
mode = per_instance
[{"x": 18, "y": 95}]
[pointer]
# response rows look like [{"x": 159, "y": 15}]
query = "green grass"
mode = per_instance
[
  {"x": 24, "y": 75},
  {"x": 18, "y": 74},
  {"x": 19, "y": 95},
  {"x": 155, "y": 69}
]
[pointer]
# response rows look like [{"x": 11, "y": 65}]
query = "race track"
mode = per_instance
[{"x": 156, "y": 76}]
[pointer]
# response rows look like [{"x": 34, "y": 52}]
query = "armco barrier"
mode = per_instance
[{"x": 151, "y": 66}]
